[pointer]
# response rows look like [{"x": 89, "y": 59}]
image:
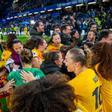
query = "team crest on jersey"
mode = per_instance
[{"x": 95, "y": 79}]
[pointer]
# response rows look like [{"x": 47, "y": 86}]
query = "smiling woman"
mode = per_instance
[{"x": 85, "y": 95}]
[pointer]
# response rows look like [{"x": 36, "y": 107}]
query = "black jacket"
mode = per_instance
[
  {"x": 49, "y": 67},
  {"x": 66, "y": 39},
  {"x": 34, "y": 33}
]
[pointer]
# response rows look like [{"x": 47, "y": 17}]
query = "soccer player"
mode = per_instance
[
  {"x": 55, "y": 43},
  {"x": 26, "y": 57},
  {"x": 86, "y": 84},
  {"x": 50, "y": 94},
  {"x": 102, "y": 60}
]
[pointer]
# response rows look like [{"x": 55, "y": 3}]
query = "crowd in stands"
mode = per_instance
[
  {"x": 80, "y": 18},
  {"x": 69, "y": 70},
  {"x": 27, "y": 5}
]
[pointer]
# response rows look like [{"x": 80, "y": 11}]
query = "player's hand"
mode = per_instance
[
  {"x": 27, "y": 76},
  {"x": 9, "y": 85}
]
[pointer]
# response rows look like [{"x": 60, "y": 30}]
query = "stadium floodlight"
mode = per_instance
[
  {"x": 20, "y": 15},
  {"x": 8, "y": 18},
  {"x": 15, "y": 16},
  {"x": 36, "y": 12},
  {"x": 50, "y": 10},
  {"x": 25, "y": 15},
  {"x": 32, "y": 22},
  {"x": 42, "y": 11},
  {"x": 10, "y": 33},
  {"x": 58, "y": 8},
  {"x": 15, "y": 1},
  {"x": 68, "y": 7},
  {"x": 91, "y": 3},
  {"x": 105, "y": 0},
  {"x": 30, "y": 14},
  {"x": 11, "y": 17},
  {"x": 78, "y": 5}
]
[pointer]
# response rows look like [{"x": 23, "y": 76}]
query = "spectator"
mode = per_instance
[
  {"x": 56, "y": 29},
  {"x": 76, "y": 41},
  {"x": 105, "y": 36},
  {"x": 90, "y": 39},
  {"x": 94, "y": 28},
  {"x": 37, "y": 30},
  {"x": 65, "y": 36}
]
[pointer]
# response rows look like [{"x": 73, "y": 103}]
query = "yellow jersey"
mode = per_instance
[
  {"x": 38, "y": 54},
  {"x": 6, "y": 55},
  {"x": 2, "y": 63},
  {"x": 52, "y": 47},
  {"x": 87, "y": 90},
  {"x": 106, "y": 92},
  {"x": 25, "y": 29}
]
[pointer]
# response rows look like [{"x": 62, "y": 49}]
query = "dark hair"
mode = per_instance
[
  {"x": 15, "y": 41},
  {"x": 93, "y": 34},
  {"x": 91, "y": 24},
  {"x": 11, "y": 37},
  {"x": 49, "y": 94},
  {"x": 37, "y": 24},
  {"x": 91, "y": 31},
  {"x": 110, "y": 31},
  {"x": 64, "y": 27},
  {"x": 78, "y": 55},
  {"x": 102, "y": 55},
  {"x": 33, "y": 43},
  {"x": 103, "y": 34},
  {"x": 64, "y": 50},
  {"x": 52, "y": 56},
  {"x": 26, "y": 56},
  {"x": 56, "y": 26},
  {"x": 73, "y": 32},
  {"x": 4, "y": 45}
]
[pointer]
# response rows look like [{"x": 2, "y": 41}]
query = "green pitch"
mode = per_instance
[{"x": 22, "y": 38}]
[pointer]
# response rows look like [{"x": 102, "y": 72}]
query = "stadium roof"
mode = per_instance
[
  {"x": 4, "y": 5},
  {"x": 9, "y": 8}
]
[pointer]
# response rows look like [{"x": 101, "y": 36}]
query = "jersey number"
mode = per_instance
[{"x": 96, "y": 93}]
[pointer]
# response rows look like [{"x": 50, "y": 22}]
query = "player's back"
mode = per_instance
[
  {"x": 106, "y": 92},
  {"x": 86, "y": 87},
  {"x": 16, "y": 75}
]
